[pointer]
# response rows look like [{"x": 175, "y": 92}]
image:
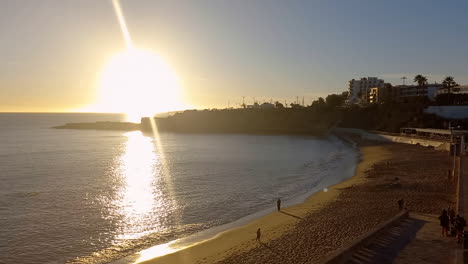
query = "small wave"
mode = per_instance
[
  {"x": 334, "y": 156},
  {"x": 129, "y": 247},
  {"x": 24, "y": 194}
]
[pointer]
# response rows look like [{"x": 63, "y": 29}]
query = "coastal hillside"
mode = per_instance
[
  {"x": 315, "y": 119},
  {"x": 275, "y": 120}
]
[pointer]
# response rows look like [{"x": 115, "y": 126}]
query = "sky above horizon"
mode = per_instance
[{"x": 52, "y": 52}]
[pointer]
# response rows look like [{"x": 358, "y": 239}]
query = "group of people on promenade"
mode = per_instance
[{"x": 452, "y": 225}]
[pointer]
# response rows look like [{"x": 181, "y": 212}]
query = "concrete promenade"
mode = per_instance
[
  {"x": 462, "y": 202},
  {"x": 428, "y": 245},
  {"x": 385, "y": 247},
  {"x": 416, "y": 239}
]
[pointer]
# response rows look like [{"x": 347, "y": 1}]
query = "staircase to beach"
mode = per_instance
[
  {"x": 406, "y": 239},
  {"x": 385, "y": 247}
]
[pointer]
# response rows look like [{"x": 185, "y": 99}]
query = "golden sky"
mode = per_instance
[{"x": 53, "y": 53}]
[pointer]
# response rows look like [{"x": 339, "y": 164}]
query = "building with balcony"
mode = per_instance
[
  {"x": 429, "y": 90},
  {"x": 359, "y": 89},
  {"x": 461, "y": 89},
  {"x": 386, "y": 93}
]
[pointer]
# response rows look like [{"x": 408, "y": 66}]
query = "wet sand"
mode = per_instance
[{"x": 308, "y": 232}]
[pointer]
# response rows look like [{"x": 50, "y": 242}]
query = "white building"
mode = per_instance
[
  {"x": 430, "y": 90},
  {"x": 359, "y": 89},
  {"x": 461, "y": 89}
]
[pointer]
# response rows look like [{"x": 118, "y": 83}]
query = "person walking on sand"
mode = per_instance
[
  {"x": 401, "y": 204},
  {"x": 444, "y": 222},
  {"x": 278, "y": 204},
  {"x": 259, "y": 234}
]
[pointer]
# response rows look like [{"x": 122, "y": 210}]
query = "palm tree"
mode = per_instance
[
  {"x": 421, "y": 80},
  {"x": 448, "y": 83}
]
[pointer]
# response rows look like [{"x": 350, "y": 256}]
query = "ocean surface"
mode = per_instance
[{"x": 96, "y": 196}]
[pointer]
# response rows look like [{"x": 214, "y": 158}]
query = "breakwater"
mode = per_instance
[{"x": 102, "y": 125}]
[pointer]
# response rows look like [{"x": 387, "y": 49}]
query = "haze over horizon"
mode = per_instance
[{"x": 54, "y": 53}]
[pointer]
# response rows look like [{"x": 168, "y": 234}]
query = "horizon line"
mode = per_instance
[{"x": 80, "y": 112}]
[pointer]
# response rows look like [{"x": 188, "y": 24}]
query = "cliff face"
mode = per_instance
[{"x": 264, "y": 121}]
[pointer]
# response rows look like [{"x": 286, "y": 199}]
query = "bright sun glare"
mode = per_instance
[{"x": 139, "y": 83}]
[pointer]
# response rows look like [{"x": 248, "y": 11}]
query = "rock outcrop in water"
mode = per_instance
[{"x": 103, "y": 125}]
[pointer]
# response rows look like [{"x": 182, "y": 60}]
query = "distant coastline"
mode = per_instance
[
  {"x": 249, "y": 121},
  {"x": 145, "y": 127}
]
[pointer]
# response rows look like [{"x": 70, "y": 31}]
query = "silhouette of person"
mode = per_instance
[
  {"x": 444, "y": 222},
  {"x": 451, "y": 213},
  {"x": 460, "y": 226},
  {"x": 401, "y": 204},
  {"x": 259, "y": 234},
  {"x": 278, "y": 204}
]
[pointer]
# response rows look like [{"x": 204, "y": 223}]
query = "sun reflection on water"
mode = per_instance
[{"x": 142, "y": 201}]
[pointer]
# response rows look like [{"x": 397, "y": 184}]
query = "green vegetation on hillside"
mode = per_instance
[
  {"x": 321, "y": 115},
  {"x": 390, "y": 117},
  {"x": 314, "y": 120}
]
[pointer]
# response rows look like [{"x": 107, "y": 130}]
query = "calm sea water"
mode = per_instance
[{"x": 96, "y": 196}]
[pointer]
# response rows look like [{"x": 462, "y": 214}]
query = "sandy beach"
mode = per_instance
[{"x": 308, "y": 232}]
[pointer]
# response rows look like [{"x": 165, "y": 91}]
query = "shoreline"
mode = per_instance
[
  {"x": 273, "y": 225},
  {"x": 416, "y": 174}
]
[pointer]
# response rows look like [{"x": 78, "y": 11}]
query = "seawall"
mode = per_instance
[
  {"x": 449, "y": 111},
  {"x": 440, "y": 145}
]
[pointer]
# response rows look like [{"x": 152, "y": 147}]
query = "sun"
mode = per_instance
[{"x": 139, "y": 83}]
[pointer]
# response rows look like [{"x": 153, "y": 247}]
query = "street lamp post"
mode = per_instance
[{"x": 452, "y": 141}]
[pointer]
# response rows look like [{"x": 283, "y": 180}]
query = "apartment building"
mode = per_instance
[
  {"x": 386, "y": 93},
  {"x": 359, "y": 89},
  {"x": 429, "y": 90}
]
